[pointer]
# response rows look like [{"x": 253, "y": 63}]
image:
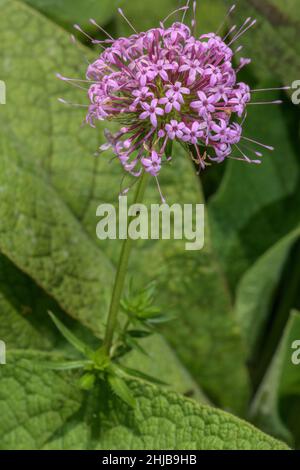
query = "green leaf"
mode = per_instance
[
  {"x": 68, "y": 12},
  {"x": 48, "y": 243},
  {"x": 72, "y": 339},
  {"x": 256, "y": 289},
  {"x": 134, "y": 373},
  {"x": 148, "y": 14},
  {"x": 155, "y": 320},
  {"x": 87, "y": 381},
  {"x": 275, "y": 35},
  {"x": 169, "y": 149},
  {"x": 67, "y": 365},
  {"x": 277, "y": 402},
  {"x": 247, "y": 218},
  {"x": 162, "y": 364},
  {"x": 51, "y": 186},
  {"x": 120, "y": 388},
  {"x": 134, "y": 344},
  {"x": 138, "y": 333},
  {"x": 139, "y": 305},
  {"x": 24, "y": 322},
  {"x": 144, "y": 15},
  {"x": 46, "y": 410}
]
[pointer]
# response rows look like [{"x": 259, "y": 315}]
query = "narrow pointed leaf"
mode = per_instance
[
  {"x": 68, "y": 335},
  {"x": 67, "y": 365},
  {"x": 121, "y": 389},
  {"x": 141, "y": 375}
]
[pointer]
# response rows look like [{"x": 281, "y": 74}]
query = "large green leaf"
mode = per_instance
[
  {"x": 144, "y": 15},
  {"x": 45, "y": 410},
  {"x": 277, "y": 403},
  {"x": 248, "y": 211},
  {"x": 161, "y": 362},
  {"x": 68, "y": 12},
  {"x": 149, "y": 13},
  {"x": 24, "y": 322},
  {"x": 42, "y": 237},
  {"x": 51, "y": 186},
  {"x": 256, "y": 290},
  {"x": 274, "y": 36}
]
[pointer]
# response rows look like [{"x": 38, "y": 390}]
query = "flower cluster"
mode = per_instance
[{"x": 163, "y": 85}]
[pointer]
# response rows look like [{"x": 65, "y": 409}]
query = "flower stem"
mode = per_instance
[{"x": 121, "y": 272}]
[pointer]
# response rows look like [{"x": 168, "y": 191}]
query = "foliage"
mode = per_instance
[{"x": 228, "y": 342}]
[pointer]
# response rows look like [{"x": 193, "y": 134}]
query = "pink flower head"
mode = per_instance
[{"x": 167, "y": 84}]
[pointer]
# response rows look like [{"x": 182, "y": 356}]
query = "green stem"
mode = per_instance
[{"x": 121, "y": 272}]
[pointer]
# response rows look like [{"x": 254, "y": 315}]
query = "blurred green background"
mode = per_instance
[{"x": 236, "y": 302}]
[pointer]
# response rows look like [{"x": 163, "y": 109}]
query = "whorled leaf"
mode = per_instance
[{"x": 24, "y": 324}]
